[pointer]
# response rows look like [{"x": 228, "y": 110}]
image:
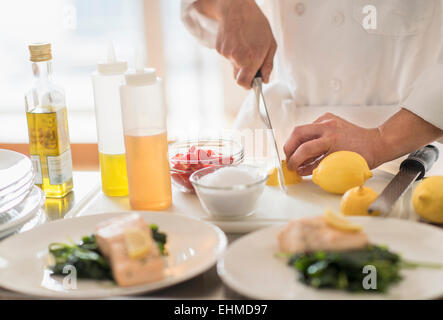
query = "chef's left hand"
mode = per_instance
[{"x": 308, "y": 144}]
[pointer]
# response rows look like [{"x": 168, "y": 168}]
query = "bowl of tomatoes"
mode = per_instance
[{"x": 186, "y": 157}]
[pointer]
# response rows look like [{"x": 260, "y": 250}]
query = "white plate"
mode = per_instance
[
  {"x": 193, "y": 245},
  {"x": 15, "y": 218},
  {"x": 5, "y": 193},
  {"x": 250, "y": 268},
  {"x": 13, "y": 167},
  {"x": 17, "y": 197}
]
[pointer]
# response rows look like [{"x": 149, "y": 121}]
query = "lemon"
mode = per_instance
[
  {"x": 356, "y": 201},
  {"x": 138, "y": 242},
  {"x": 341, "y": 171},
  {"x": 291, "y": 177},
  {"x": 339, "y": 221},
  {"x": 427, "y": 199}
]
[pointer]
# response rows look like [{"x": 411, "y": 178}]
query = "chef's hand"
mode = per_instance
[
  {"x": 308, "y": 144},
  {"x": 244, "y": 37}
]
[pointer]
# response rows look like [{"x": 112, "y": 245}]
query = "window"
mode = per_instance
[
  {"x": 80, "y": 30},
  {"x": 193, "y": 78}
]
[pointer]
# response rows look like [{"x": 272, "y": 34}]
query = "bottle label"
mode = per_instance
[
  {"x": 60, "y": 168},
  {"x": 37, "y": 165}
]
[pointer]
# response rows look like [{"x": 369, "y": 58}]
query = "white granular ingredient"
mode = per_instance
[
  {"x": 228, "y": 177},
  {"x": 230, "y": 203}
]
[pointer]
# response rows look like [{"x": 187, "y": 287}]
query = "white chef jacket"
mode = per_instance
[{"x": 328, "y": 62}]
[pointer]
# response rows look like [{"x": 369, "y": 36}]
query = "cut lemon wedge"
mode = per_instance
[
  {"x": 291, "y": 177},
  {"x": 138, "y": 242},
  {"x": 339, "y": 221}
]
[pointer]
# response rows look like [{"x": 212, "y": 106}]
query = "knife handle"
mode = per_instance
[
  {"x": 422, "y": 159},
  {"x": 258, "y": 74}
]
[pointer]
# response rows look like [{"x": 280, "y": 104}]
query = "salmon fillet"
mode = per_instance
[
  {"x": 112, "y": 230},
  {"x": 313, "y": 234},
  {"x": 127, "y": 271}
]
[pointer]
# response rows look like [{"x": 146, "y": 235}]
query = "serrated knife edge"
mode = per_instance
[{"x": 394, "y": 190}]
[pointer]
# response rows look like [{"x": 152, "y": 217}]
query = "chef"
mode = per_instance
[{"x": 359, "y": 75}]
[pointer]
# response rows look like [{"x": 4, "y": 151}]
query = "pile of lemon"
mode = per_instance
[{"x": 345, "y": 172}]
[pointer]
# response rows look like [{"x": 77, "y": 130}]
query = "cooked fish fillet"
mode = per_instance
[
  {"x": 313, "y": 234},
  {"x": 112, "y": 230},
  {"x": 127, "y": 271}
]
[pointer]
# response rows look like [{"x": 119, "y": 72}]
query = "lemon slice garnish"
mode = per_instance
[
  {"x": 138, "y": 242},
  {"x": 339, "y": 221}
]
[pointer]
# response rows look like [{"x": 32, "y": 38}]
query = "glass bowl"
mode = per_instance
[
  {"x": 186, "y": 157},
  {"x": 229, "y": 202}
]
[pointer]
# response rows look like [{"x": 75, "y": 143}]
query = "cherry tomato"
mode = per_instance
[{"x": 195, "y": 159}]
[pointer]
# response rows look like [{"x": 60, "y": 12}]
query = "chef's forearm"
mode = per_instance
[
  {"x": 215, "y": 9},
  {"x": 207, "y": 8},
  {"x": 403, "y": 133}
]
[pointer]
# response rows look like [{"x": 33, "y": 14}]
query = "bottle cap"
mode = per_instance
[
  {"x": 40, "y": 51},
  {"x": 141, "y": 75},
  {"x": 112, "y": 65}
]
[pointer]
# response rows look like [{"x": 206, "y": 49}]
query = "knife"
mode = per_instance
[
  {"x": 264, "y": 115},
  {"x": 412, "y": 168}
]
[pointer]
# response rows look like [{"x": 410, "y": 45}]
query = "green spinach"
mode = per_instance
[
  {"x": 87, "y": 259},
  {"x": 344, "y": 270}
]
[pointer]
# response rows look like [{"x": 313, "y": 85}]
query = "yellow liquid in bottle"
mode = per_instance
[
  {"x": 113, "y": 172},
  {"x": 148, "y": 172},
  {"x": 50, "y": 151}
]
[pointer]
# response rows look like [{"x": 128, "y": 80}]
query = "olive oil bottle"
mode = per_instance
[{"x": 47, "y": 119}]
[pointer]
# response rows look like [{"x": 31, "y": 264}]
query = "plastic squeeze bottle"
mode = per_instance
[
  {"x": 144, "y": 126},
  {"x": 106, "y": 83}
]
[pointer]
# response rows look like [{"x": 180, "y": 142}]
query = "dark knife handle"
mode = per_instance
[
  {"x": 257, "y": 76},
  {"x": 422, "y": 160}
]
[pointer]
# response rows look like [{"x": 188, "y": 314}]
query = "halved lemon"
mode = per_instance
[
  {"x": 138, "y": 242},
  {"x": 339, "y": 221},
  {"x": 291, "y": 177}
]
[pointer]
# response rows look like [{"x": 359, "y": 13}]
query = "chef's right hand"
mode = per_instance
[{"x": 245, "y": 38}]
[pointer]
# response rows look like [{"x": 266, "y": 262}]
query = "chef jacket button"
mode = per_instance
[
  {"x": 338, "y": 18},
  {"x": 300, "y": 8},
  {"x": 335, "y": 84}
]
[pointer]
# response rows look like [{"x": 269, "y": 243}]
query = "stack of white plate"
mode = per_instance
[{"x": 20, "y": 200}]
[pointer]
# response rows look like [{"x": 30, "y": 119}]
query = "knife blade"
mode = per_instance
[
  {"x": 412, "y": 168},
  {"x": 264, "y": 115}
]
